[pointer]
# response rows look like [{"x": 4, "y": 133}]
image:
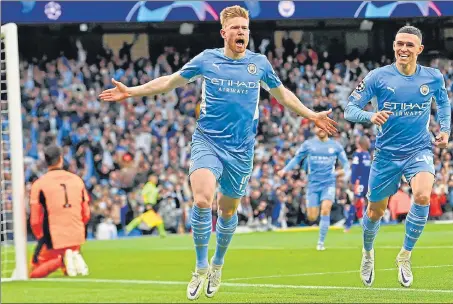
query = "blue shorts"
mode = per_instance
[
  {"x": 315, "y": 197},
  {"x": 232, "y": 170},
  {"x": 386, "y": 174}
]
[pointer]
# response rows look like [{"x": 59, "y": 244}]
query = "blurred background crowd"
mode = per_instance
[{"x": 134, "y": 155}]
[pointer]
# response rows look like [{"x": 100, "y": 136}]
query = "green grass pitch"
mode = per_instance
[{"x": 272, "y": 267}]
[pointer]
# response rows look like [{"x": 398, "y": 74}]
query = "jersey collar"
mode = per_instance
[{"x": 417, "y": 70}]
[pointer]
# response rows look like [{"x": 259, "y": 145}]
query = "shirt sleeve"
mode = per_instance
[
  {"x": 301, "y": 153},
  {"x": 269, "y": 80},
  {"x": 193, "y": 69},
  {"x": 443, "y": 105},
  {"x": 36, "y": 212},
  {"x": 359, "y": 98}
]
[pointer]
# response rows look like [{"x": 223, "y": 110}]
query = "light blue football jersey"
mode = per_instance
[
  {"x": 321, "y": 157},
  {"x": 409, "y": 98},
  {"x": 230, "y": 96}
]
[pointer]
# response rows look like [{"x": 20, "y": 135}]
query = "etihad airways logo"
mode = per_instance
[
  {"x": 322, "y": 158},
  {"x": 234, "y": 86},
  {"x": 406, "y": 108}
]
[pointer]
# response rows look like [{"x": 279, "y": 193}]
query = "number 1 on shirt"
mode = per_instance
[{"x": 67, "y": 204}]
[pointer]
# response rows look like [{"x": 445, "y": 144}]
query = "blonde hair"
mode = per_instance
[{"x": 232, "y": 12}]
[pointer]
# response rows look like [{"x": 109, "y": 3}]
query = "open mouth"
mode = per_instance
[
  {"x": 240, "y": 42},
  {"x": 403, "y": 56}
]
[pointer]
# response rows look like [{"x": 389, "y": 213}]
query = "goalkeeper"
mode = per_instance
[{"x": 58, "y": 215}]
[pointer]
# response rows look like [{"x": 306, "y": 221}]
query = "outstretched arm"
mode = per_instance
[
  {"x": 156, "y": 86},
  {"x": 272, "y": 83},
  {"x": 164, "y": 84},
  {"x": 289, "y": 100}
]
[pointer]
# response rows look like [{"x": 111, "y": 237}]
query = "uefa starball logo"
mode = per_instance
[
  {"x": 202, "y": 9},
  {"x": 52, "y": 10},
  {"x": 378, "y": 9}
]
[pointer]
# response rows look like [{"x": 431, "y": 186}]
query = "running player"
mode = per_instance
[
  {"x": 405, "y": 91},
  {"x": 223, "y": 142},
  {"x": 322, "y": 154}
]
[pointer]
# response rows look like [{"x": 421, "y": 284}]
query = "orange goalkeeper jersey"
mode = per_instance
[{"x": 59, "y": 209}]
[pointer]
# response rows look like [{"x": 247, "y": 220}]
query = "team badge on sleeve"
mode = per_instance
[
  {"x": 424, "y": 89},
  {"x": 360, "y": 87}
]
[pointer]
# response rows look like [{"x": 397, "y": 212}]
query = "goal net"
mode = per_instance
[{"x": 12, "y": 206}]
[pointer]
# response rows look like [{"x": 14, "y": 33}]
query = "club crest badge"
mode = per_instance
[
  {"x": 251, "y": 68},
  {"x": 424, "y": 90}
]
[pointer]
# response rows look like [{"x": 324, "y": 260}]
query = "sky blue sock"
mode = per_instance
[
  {"x": 324, "y": 224},
  {"x": 201, "y": 222},
  {"x": 415, "y": 222},
  {"x": 224, "y": 232},
  {"x": 370, "y": 230}
]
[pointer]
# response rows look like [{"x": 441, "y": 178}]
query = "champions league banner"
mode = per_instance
[{"x": 65, "y": 11}]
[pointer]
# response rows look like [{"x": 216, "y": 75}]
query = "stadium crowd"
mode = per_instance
[{"x": 134, "y": 156}]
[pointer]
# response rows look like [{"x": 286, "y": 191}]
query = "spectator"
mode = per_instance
[
  {"x": 438, "y": 201},
  {"x": 106, "y": 230}
]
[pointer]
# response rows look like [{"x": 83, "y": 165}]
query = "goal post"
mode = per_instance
[{"x": 13, "y": 219}]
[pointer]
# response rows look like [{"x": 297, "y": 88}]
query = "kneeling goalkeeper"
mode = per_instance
[{"x": 59, "y": 213}]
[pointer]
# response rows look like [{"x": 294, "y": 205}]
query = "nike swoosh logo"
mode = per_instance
[
  {"x": 195, "y": 291},
  {"x": 369, "y": 279},
  {"x": 208, "y": 290},
  {"x": 404, "y": 279}
]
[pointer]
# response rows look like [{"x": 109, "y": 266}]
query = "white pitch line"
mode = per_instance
[
  {"x": 240, "y": 285},
  {"x": 213, "y": 247},
  {"x": 292, "y": 248},
  {"x": 324, "y": 273},
  {"x": 417, "y": 247}
]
